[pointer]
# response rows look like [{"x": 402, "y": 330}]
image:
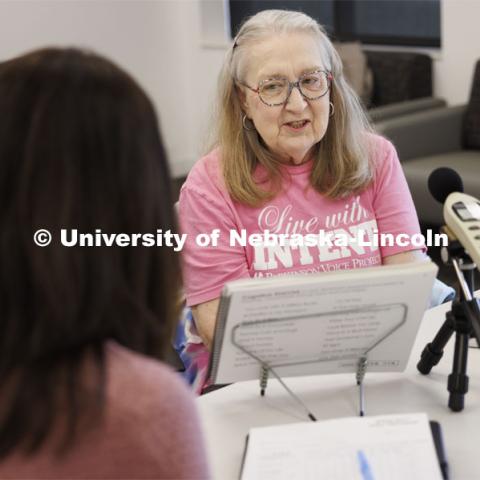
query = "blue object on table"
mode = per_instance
[{"x": 365, "y": 469}]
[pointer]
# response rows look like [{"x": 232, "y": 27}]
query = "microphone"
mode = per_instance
[
  {"x": 461, "y": 212},
  {"x": 444, "y": 181}
]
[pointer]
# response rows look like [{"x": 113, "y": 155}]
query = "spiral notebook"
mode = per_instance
[{"x": 319, "y": 324}]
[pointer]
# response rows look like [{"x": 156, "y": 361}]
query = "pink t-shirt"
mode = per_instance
[{"x": 385, "y": 206}]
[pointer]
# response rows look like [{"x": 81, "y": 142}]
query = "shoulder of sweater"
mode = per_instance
[{"x": 137, "y": 382}]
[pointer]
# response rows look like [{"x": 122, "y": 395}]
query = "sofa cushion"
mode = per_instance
[
  {"x": 399, "y": 76},
  {"x": 417, "y": 171},
  {"x": 394, "y": 110},
  {"x": 358, "y": 74},
  {"x": 471, "y": 126}
]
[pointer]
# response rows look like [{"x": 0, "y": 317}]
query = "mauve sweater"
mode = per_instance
[{"x": 150, "y": 429}]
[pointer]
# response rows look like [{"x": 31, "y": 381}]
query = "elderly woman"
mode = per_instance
[{"x": 294, "y": 154}]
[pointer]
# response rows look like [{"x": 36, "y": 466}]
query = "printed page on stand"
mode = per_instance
[{"x": 320, "y": 324}]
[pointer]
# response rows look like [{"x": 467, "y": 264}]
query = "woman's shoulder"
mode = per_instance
[
  {"x": 207, "y": 169},
  {"x": 149, "y": 411},
  {"x": 379, "y": 145},
  {"x": 205, "y": 179},
  {"x": 383, "y": 155},
  {"x": 384, "y": 162},
  {"x": 130, "y": 373},
  {"x": 148, "y": 429}
]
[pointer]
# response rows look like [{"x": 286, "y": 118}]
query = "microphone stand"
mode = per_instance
[{"x": 463, "y": 319}]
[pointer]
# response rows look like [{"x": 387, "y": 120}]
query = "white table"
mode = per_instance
[{"x": 227, "y": 414}]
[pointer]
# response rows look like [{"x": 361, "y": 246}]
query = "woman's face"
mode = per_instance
[{"x": 291, "y": 130}]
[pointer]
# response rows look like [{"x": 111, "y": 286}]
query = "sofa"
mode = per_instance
[
  {"x": 443, "y": 137},
  {"x": 389, "y": 83}
]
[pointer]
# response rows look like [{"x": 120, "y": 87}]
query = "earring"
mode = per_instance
[
  {"x": 332, "y": 109},
  {"x": 245, "y": 126}
]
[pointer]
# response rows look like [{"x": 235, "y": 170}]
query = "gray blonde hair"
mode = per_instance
[{"x": 342, "y": 164}]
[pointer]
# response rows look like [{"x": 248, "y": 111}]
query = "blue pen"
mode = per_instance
[{"x": 365, "y": 469}]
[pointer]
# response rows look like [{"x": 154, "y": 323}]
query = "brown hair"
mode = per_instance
[{"x": 79, "y": 148}]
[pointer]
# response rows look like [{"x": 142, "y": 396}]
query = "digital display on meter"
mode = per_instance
[{"x": 467, "y": 212}]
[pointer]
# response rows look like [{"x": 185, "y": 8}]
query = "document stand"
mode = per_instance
[{"x": 359, "y": 354}]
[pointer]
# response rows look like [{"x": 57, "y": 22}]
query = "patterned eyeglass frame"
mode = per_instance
[{"x": 291, "y": 86}]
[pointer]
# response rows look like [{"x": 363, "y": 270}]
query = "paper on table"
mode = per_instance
[{"x": 390, "y": 447}]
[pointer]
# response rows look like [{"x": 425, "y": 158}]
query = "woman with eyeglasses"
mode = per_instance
[
  {"x": 83, "y": 330},
  {"x": 294, "y": 153}
]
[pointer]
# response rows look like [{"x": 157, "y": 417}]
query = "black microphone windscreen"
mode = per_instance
[{"x": 444, "y": 181}]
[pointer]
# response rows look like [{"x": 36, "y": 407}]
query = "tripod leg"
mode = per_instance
[
  {"x": 433, "y": 352},
  {"x": 458, "y": 379},
  {"x": 470, "y": 279}
]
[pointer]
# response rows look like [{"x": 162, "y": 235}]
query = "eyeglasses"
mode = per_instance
[{"x": 276, "y": 91}]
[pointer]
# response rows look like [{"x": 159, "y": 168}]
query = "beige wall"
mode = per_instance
[
  {"x": 453, "y": 68},
  {"x": 157, "y": 41},
  {"x": 175, "y": 49}
]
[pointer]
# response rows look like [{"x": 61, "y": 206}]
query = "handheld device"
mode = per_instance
[
  {"x": 461, "y": 212},
  {"x": 462, "y": 215}
]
